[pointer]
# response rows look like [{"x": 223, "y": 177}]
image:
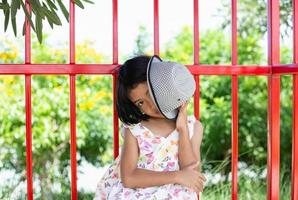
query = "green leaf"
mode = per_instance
[
  {"x": 28, "y": 16},
  {"x": 6, "y": 20},
  {"x": 41, "y": 11},
  {"x": 15, "y": 4},
  {"x": 51, "y": 4},
  {"x": 35, "y": 2},
  {"x": 38, "y": 24},
  {"x": 24, "y": 28},
  {"x": 64, "y": 11},
  {"x": 79, "y": 3},
  {"x": 52, "y": 16},
  {"x": 14, "y": 26},
  {"x": 34, "y": 6},
  {"x": 88, "y": 1},
  {"x": 50, "y": 23}
]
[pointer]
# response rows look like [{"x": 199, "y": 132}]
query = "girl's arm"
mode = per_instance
[
  {"x": 196, "y": 140},
  {"x": 133, "y": 177},
  {"x": 186, "y": 152}
]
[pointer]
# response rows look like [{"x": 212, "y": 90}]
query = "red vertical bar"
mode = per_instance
[
  {"x": 72, "y": 31},
  {"x": 28, "y": 137},
  {"x": 28, "y": 107},
  {"x": 115, "y": 61},
  {"x": 197, "y": 102},
  {"x": 196, "y": 32},
  {"x": 73, "y": 137},
  {"x": 115, "y": 31},
  {"x": 273, "y": 137},
  {"x": 234, "y": 104},
  {"x": 295, "y": 140},
  {"x": 234, "y": 137},
  {"x": 27, "y": 36},
  {"x": 156, "y": 28},
  {"x": 196, "y": 43},
  {"x": 197, "y": 98},
  {"x": 273, "y": 157},
  {"x": 115, "y": 119},
  {"x": 294, "y": 192},
  {"x": 73, "y": 150}
]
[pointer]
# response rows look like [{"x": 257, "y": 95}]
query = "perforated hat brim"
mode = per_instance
[{"x": 169, "y": 115}]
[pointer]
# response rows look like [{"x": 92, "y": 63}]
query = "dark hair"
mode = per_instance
[{"x": 131, "y": 73}]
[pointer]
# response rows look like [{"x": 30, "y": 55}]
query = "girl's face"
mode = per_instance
[{"x": 141, "y": 98}]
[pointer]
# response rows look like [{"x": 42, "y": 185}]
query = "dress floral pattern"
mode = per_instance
[{"x": 157, "y": 153}]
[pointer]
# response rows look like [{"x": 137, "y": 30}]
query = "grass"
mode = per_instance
[{"x": 248, "y": 189}]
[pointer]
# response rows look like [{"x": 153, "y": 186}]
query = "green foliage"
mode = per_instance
[
  {"x": 41, "y": 10},
  {"x": 51, "y": 123},
  {"x": 142, "y": 42},
  {"x": 252, "y": 16},
  {"x": 248, "y": 188},
  {"x": 10, "y": 53}
]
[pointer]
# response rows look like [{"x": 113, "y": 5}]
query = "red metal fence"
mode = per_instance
[{"x": 273, "y": 71}]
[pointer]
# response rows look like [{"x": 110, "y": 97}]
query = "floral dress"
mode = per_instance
[{"x": 157, "y": 153}]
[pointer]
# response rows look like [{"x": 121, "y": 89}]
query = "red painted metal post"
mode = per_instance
[
  {"x": 115, "y": 32},
  {"x": 72, "y": 80},
  {"x": 273, "y": 157},
  {"x": 196, "y": 44},
  {"x": 197, "y": 98},
  {"x": 28, "y": 108},
  {"x": 196, "y": 33},
  {"x": 28, "y": 137},
  {"x": 115, "y": 119},
  {"x": 294, "y": 192},
  {"x": 72, "y": 47},
  {"x": 234, "y": 104},
  {"x": 73, "y": 137},
  {"x": 156, "y": 27},
  {"x": 115, "y": 62}
]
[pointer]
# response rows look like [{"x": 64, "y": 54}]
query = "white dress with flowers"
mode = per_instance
[{"x": 157, "y": 153}]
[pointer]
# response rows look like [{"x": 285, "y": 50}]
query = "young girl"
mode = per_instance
[{"x": 160, "y": 158}]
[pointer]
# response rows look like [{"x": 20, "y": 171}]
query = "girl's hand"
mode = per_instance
[
  {"x": 181, "y": 122},
  {"x": 191, "y": 178}
]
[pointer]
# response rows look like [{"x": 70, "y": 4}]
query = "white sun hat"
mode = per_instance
[{"x": 170, "y": 84}]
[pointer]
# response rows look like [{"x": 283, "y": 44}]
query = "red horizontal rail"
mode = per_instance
[
  {"x": 48, "y": 69},
  {"x": 285, "y": 69},
  {"x": 109, "y": 69}
]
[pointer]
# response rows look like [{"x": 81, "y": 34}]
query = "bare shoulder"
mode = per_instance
[{"x": 128, "y": 136}]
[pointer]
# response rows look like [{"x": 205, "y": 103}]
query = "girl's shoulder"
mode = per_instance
[{"x": 135, "y": 129}]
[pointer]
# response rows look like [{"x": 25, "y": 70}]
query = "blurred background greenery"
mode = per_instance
[{"x": 50, "y": 110}]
